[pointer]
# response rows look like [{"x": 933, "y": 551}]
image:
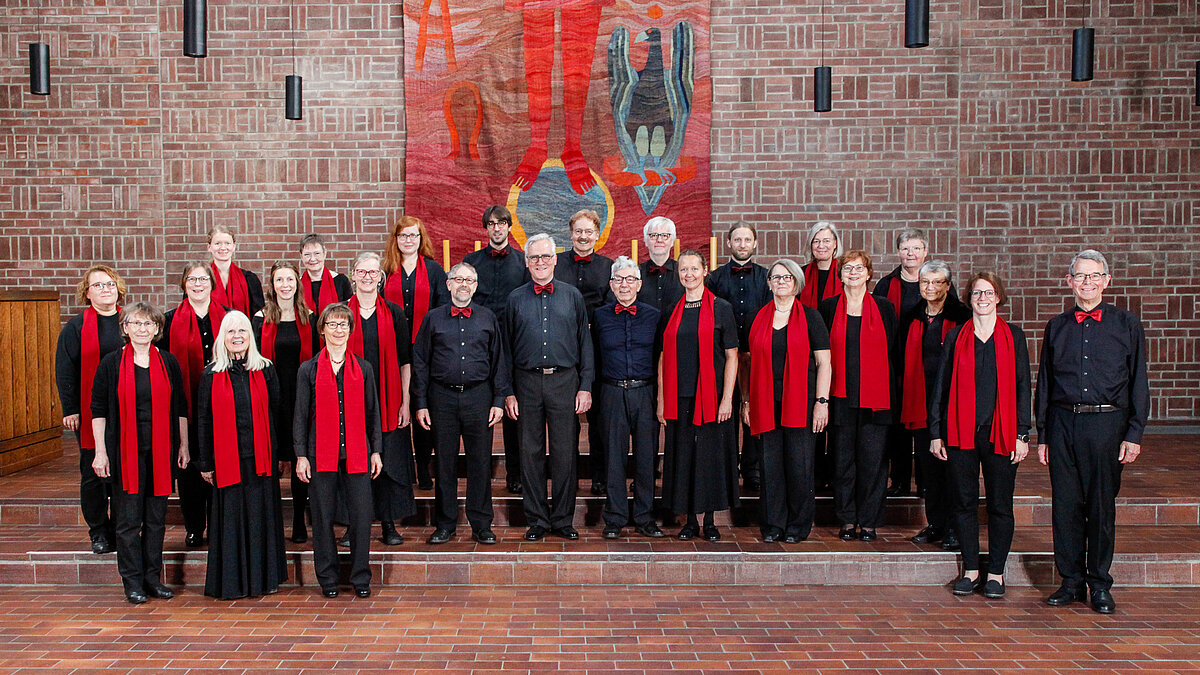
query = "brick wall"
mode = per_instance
[{"x": 980, "y": 137}]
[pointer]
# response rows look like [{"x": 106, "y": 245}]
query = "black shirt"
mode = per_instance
[
  {"x": 370, "y": 336},
  {"x": 498, "y": 276},
  {"x": 243, "y": 415},
  {"x": 847, "y": 410},
  {"x": 687, "y": 346},
  {"x": 661, "y": 289},
  {"x": 910, "y": 291},
  {"x": 204, "y": 323},
  {"x": 462, "y": 351},
  {"x": 438, "y": 293},
  {"x": 818, "y": 340},
  {"x": 106, "y": 404},
  {"x": 589, "y": 276},
  {"x": 550, "y": 330},
  {"x": 746, "y": 291},
  {"x": 287, "y": 363},
  {"x": 932, "y": 349},
  {"x": 1096, "y": 363},
  {"x": 304, "y": 429},
  {"x": 626, "y": 344},
  {"x": 68, "y": 358},
  {"x": 985, "y": 382},
  {"x": 342, "y": 288}
]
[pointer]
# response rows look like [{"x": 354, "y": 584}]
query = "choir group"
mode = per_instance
[{"x": 780, "y": 379}]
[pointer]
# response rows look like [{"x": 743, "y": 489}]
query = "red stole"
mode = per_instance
[
  {"x": 833, "y": 285},
  {"x": 960, "y": 420},
  {"x": 893, "y": 293},
  {"x": 795, "y": 371},
  {"x": 225, "y": 442},
  {"x": 874, "y": 370},
  {"x": 160, "y": 415},
  {"x": 328, "y": 292},
  {"x": 271, "y": 330},
  {"x": 914, "y": 404},
  {"x": 391, "y": 394},
  {"x": 89, "y": 361},
  {"x": 237, "y": 295},
  {"x": 394, "y": 290},
  {"x": 328, "y": 415},
  {"x": 706, "y": 389},
  {"x": 185, "y": 341}
]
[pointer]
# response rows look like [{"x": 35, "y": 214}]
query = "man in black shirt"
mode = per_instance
[
  {"x": 546, "y": 330},
  {"x": 743, "y": 284},
  {"x": 660, "y": 279},
  {"x": 500, "y": 268},
  {"x": 625, "y": 332},
  {"x": 460, "y": 379},
  {"x": 1092, "y": 403}
]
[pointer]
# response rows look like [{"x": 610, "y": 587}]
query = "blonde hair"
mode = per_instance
[
  {"x": 254, "y": 360},
  {"x": 222, "y": 229},
  {"x": 81, "y": 290}
]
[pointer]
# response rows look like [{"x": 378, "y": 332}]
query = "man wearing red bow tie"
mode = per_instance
[
  {"x": 1092, "y": 403},
  {"x": 660, "y": 280}
]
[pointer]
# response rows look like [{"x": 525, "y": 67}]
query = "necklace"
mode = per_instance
[{"x": 337, "y": 363}]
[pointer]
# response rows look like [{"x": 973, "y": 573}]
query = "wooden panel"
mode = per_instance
[
  {"x": 19, "y": 324},
  {"x": 30, "y": 455},
  {"x": 8, "y": 383},
  {"x": 28, "y": 400}
]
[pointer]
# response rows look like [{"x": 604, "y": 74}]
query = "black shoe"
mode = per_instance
[
  {"x": 950, "y": 541},
  {"x": 867, "y": 535},
  {"x": 136, "y": 597},
  {"x": 599, "y": 488},
  {"x": 300, "y": 535},
  {"x": 752, "y": 484},
  {"x": 329, "y": 592},
  {"x": 426, "y": 484},
  {"x": 898, "y": 492},
  {"x": 1065, "y": 595},
  {"x": 1102, "y": 601},
  {"x": 535, "y": 533},
  {"x": 193, "y": 540},
  {"x": 157, "y": 590},
  {"x": 689, "y": 532},
  {"x": 929, "y": 535},
  {"x": 362, "y": 591},
  {"x": 344, "y": 540},
  {"x": 847, "y": 533},
  {"x": 650, "y": 530},
  {"x": 793, "y": 539},
  {"x": 612, "y": 532},
  {"x": 513, "y": 485},
  {"x": 772, "y": 536},
  {"x": 566, "y": 532},
  {"x": 993, "y": 589},
  {"x": 967, "y": 586},
  {"x": 484, "y": 536},
  {"x": 711, "y": 533},
  {"x": 440, "y": 536},
  {"x": 390, "y": 536},
  {"x": 101, "y": 545}
]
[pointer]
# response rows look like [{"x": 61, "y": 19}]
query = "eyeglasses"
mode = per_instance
[
  {"x": 410, "y": 236},
  {"x": 1094, "y": 277},
  {"x": 198, "y": 280},
  {"x": 134, "y": 324},
  {"x": 854, "y": 268},
  {"x": 103, "y": 285},
  {"x": 544, "y": 257},
  {"x": 989, "y": 293},
  {"x": 777, "y": 278},
  {"x": 312, "y": 254},
  {"x": 824, "y": 241},
  {"x": 464, "y": 280},
  {"x": 367, "y": 274},
  {"x": 337, "y": 325},
  {"x": 622, "y": 281},
  {"x": 584, "y": 233},
  {"x": 660, "y": 236},
  {"x": 497, "y": 223},
  {"x": 933, "y": 282}
]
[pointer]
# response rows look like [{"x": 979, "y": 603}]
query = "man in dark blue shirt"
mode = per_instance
[{"x": 625, "y": 332}]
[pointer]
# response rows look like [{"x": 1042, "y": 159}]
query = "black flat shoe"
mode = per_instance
[
  {"x": 599, "y": 489},
  {"x": 101, "y": 545},
  {"x": 329, "y": 592},
  {"x": 484, "y": 537},
  {"x": 898, "y": 492},
  {"x": 566, "y": 532},
  {"x": 867, "y": 535},
  {"x": 1065, "y": 595},
  {"x": 535, "y": 533},
  {"x": 711, "y": 533},
  {"x": 344, "y": 540},
  {"x": 847, "y": 533},
  {"x": 363, "y": 591},
  {"x": 299, "y": 536},
  {"x": 1102, "y": 601},
  {"x": 136, "y": 598},
  {"x": 950, "y": 542},
  {"x": 650, "y": 530},
  {"x": 193, "y": 540},
  {"x": 425, "y": 485},
  {"x": 612, "y": 532},
  {"x": 440, "y": 536},
  {"x": 929, "y": 535},
  {"x": 794, "y": 539},
  {"x": 967, "y": 585},
  {"x": 772, "y": 536},
  {"x": 993, "y": 589},
  {"x": 513, "y": 486},
  {"x": 390, "y": 536},
  {"x": 752, "y": 484},
  {"x": 689, "y": 532},
  {"x": 159, "y": 591}
]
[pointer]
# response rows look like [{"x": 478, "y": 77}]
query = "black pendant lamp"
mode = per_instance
[
  {"x": 195, "y": 28},
  {"x": 39, "y": 63},
  {"x": 822, "y": 76},
  {"x": 1082, "y": 39},
  {"x": 916, "y": 23},
  {"x": 293, "y": 84}
]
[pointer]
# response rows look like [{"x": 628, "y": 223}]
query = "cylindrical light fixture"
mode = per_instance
[
  {"x": 294, "y": 106},
  {"x": 1081, "y": 54},
  {"x": 822, "y": 89},
  {"x": 195, "y": 28},
  {"x": 39, "y": 68},
  {"x": 916, "y": 23}
]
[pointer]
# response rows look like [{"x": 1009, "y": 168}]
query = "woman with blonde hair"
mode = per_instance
[{"x": 233, "y": 286}]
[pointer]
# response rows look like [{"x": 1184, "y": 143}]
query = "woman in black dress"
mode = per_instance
[
  {"x": 238, "y": 397},
  {"x": 697, "y": 375},
  {"x": 863, "y": 394},
  {"x": 821, "y": 278},
  {"x": 788, "y": 403},
  {"x": 233, "y": 287},
  {"x": 286, "y": 332},
  {"x": 980, "y": 419},
  {"x": 139, "y": 421}
]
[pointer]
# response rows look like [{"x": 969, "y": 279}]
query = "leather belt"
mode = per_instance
[
  {"x": 626, "y": 384},
  {"x": 1087, "y": 408},
  {"x": 543, "y": 371},
  {"x": 457, "y": 387}
]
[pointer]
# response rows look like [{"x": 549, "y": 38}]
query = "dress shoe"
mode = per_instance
[
  {"x": 689, "y": 532},
  {"x": 967, "y": 585},
  {"x": 1065, "y": 595},
  {"x": 193, "y": 540},
  {"x": 752, "y": 484},
  {"x": 847, "y": 533},
  {"x": 929, "y": 535},
  {"x": 711, "y": 533},
  {"x": 344, "y": 540},
  {"x": 867, "y": 535},
  {"x": 390, "y": 536},
  {"x": 157, "y": 590},
  {"x": 1102, "y": 601},
  {"x": 566, "y": 532},
  {"x": 535, "y": 533},
  {"x": 599, "y": 488},
  {"x": 612, "y": 532},
  {"x": 993, "y": 589},
  {"x": 299, "y": 535},
  {"x": 329, "y": 592},
  {"x": 362, "y": 591},
  {"x": 101, "y": 545},
  {"x": 426, "y": 484},
  {"x": 794, "y": 539},
  {"x": 513, "y": 485},
  {"x": 136, "y": 597},
  {"x": 772, "y": 536},
  {"x": 950, "y": 541},
  {"x": 650, "y": 530},
  {"x": 898, "y": 492},
  {"x": 440, "y": 536},
  {"x": 484, "y": 536}
]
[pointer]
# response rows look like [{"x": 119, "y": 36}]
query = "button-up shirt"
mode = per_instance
[
  {"x": 626, "y": 344},
  {"x": 304, "y": 424},
  {"x": 498, "y": 276},
  {"x": 589, "y": 276},
  {"x": 660, "y": 290},
  {"x": 747, "y": 292},
  {"x": 460, "y": 351},
  {"x": 550, "y": 330}
]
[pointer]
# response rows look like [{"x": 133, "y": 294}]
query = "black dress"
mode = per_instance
[
  {"x": 700, "y": 461},
  {"x": 245, "y": 529},
  {"x": 393, "y": 488}
]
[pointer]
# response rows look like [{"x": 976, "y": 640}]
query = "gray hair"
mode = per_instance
[
  {"x": 1089, "y": 254},
  {"x": 366, "y": 255},
  {"x": 625, "y": 263},
  {"x": 820, "y": 226},
  {"x": 911, "y": 233},
  {"x": 540, "y": 237},
  {"x": 935, "y": 267},
  {"x": 220, "y": 353},
  {"x": 658, "y": 221},
  {"x": 462, "y": 266},
  {"x": 793, "y": 269}
]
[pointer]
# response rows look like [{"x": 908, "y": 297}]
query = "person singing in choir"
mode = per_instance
[
  {"x": 322, "y": 285},
  {"x": 233, "y": 287},
  {"x": 821, "y": 278}
]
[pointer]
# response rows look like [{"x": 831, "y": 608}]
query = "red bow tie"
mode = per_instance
[
  {"x": 657, "y": 269},
  {"x": 497, "y": 252},
  {"x": 538, "y": 288},
  {"x": 465, "y": 311},
  {"x": 740, "y": 269},
  {"x": 583, "y": 258},
  {"x": 1080, "y": 315},
  {"x": 632, "y": 309}
]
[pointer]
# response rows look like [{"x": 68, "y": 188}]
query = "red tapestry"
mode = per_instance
[{"x": 552, "y": 106}]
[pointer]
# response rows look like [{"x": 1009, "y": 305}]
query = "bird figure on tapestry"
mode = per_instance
[{"x": 651, "y": 106}]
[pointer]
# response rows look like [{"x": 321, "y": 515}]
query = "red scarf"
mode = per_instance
[
  {"x": 391, "y": 395},
  {"x": 893, "y": 293},
  {"x": 328, "y": 415},
  {"x": 960, "y": 420},
  {"x": 795, "y": 371},
  {"x": 833, "y": 285},
  {"x": 160, "y": 415},
  {"x": 225, "y": 444},
  {"x": 874, "y": 370},
  {"x": 328, "y": 292},
  {"x": 914, "y": 406},
  {"x": 185, "y": 341},
  {"x": 394, "y": 290},
  {"x": 89, "y": 361},
  {"x": 706, "y": 389},
  {"x": 271, "y": 330},
  {"x": 237, "y": 295}
]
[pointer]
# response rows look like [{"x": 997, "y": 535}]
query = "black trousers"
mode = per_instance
[
  {"x": 935, "y": 479},
  {"x": 999, "y": 480},
  {"x": 625, "y": 414},
  {"x": 195, "y": 498},
  {"x": 94, "y": 495},
  {"x": 900, "y": 457},
  {"x": 462, "y": 415},
  {"x": 547, "y": 402},
  {"x": 788, "y": 500},
  {"x": 859, "y": 473},
  {"x": 355, "y": 490},
  {"x": 1085, "y": 477},
  {"x": 511, "y": 431},
  {"x": 140, "y": 521}
]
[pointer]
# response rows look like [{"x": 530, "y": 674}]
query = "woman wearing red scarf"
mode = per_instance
[
  {"x": 864, "y": 396},
  {"x": 233, "y": 286},
  {"x": 239, "y": 395},
  {"x": 821, "y": 279},
  {"x": 139, "y": 421},
  {"x": 920, "y": 344},
  {"x": 382, "y": 339},
  {"x": 321, "y": 285},
  {"x": 287, "y": 333},
  {"x": 337, "y": 447},
  {"x": 416, "y": 282},
  {"x": 788, "y": 403},
  {"x": 980, "y": 419},
  {"x": 696, "y": 377},
  {"x": 84, "y": 340},
  {"x": 188, "y": 334}
]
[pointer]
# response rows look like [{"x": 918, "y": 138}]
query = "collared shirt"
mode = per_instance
[
  {"x": 660, "y": 290},
  {"x": 498, "y": 276},
  {"x": 438, "y": 293},
  {"x": 747, "y": 292},
  {"x": 460, "y": 351},
  {"x": 1095, "y": 363},
  {"x": 986, "y": 380},
  {"x": 550, "y": 330},
  {"x": 304, "y": 424},
  {"x": 589, "y": 276},
  {"x": 626, "y": 344}
]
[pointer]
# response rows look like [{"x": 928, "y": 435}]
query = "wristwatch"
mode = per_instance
[
  {"x": 1024, "y": 438},
  {"x": 822, "y": 399}
]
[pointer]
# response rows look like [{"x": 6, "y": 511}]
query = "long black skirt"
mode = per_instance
[
  {"x": 699, "y": 464},
  {"x": 245, "y": 538},
  {"x": 393, "y": 489}
]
